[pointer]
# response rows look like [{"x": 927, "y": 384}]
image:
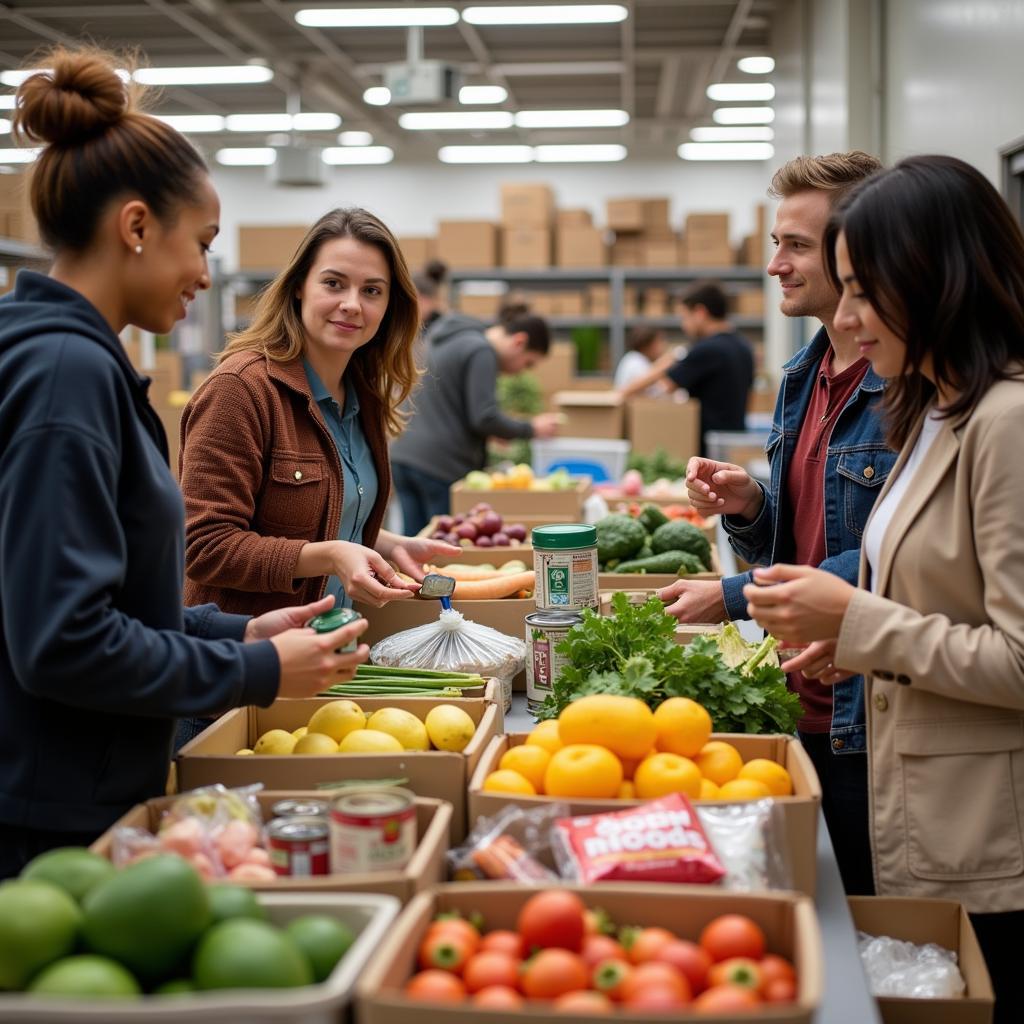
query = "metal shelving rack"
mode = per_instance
[{"x": 14, "y": 252}]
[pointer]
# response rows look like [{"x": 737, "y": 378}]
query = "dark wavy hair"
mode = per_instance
[{"x": 939, "y": 256}]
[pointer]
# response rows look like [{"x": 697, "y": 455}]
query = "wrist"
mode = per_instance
[{"x": 753, "y": 507}]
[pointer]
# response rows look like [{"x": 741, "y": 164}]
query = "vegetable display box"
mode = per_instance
[
  {"x": 370, "y": 916},
  {"x": 211, "y": 757},
  {"x": 788, "y": 920},
  {"x": 426, "y": 868},
  {"x": 613, "y": 581},
  {"x": 944, "y": 922},
  {"x": 559, "y": 506},
  {"x": 799, "y": 811},
  {"x": 685, "y": 631},
  {"x": 497, "y": 556}
]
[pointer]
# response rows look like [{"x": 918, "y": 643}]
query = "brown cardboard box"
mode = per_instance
[
  {"x": 525, "y": 248},
  {"x": 564, "y": 506},
  {"x": 527, "y": 206},
  {"x": 483, "y": 307},
  {"x": 799, "y": 811},
  {"x": 468, "y": 244},
  {"x": 570, "y": 303},
  {"x": 657, "y": 302},
  {"x": 787, "y": 919},
  {"x": 600, "y": 299},
  {"x": 268, "y": 247},
  {"x": 628, "y": 251},
  {"x": 516, "y": 551},
  {"x": 944, "y": 922},
  {"x": 417, "y": 250},
  {"x": 749, "y": 302},
  {"x": 573, "y": 218},
  {"x": 16, "y": 218},
  {"x": 426, "y": 868},
  {"x": 558, "y": 370},
  {"x": 642, "y": 214},
  {"x": 210, "y": 757},
  {"x": 708, "y": 228},
  {"x": 653, "y": 423},
  {"x": 661, "y": 252},
  {"x": 590, "y": 413},
  {"x": 630, "y": 300},
  {"x": 580, "y": 246},
  {"x": 699, "y": 254},
  {"x": 649, "y": 582}
]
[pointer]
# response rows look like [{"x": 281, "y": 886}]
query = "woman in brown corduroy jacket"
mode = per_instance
[{"x": 284, "y": 463}]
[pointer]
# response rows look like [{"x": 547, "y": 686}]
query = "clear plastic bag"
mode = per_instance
[
  {"x": 750, "y": 841},
  {"x": 898, "y": 968},
  {"x": 513, "y": 845}
]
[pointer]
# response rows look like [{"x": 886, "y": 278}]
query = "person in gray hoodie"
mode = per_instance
[{"x": 455, "y": 408}]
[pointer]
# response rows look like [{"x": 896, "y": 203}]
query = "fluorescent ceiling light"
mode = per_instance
[
  {"x": 455, "y": 120},
  {"x": 193, "y": 124},
  {"x": 315, "y": 122},
  {"x": 15, "y": 78},
  {"x": 7, "y": 102},
  {"x": 377, "y": 96},
  {"x": 236, "y": 74},
  {"x": 258, "y": 156},
  {"x": 579, "y": 154},
  {"x": 482, "y": 94},
  {"x": 258, "y": 122},
  {"x": 743, "y": 115},
  {"x": 376, "y": 17},
  {"x": 485, "y": 154},
  {"x": 726, "y": 151},
  {"x": 571, "y": 118},
  {"x": 355, "y": 138},
  {"x": 18, "y": 156},
  {"x": 5, "y": 126},
  {"x": 756, "y": 65},
  {"x": 725, "y": 92},
  {"x": 750, "y": 133},
  {"x": 358, "y": 155},
  {"x": 547, "y": 14}
]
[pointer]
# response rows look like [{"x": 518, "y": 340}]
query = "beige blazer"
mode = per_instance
[{"x": 941, "y": 648}]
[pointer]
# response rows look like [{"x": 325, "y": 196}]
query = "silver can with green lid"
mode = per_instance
[
  {"x": 565, "y": 564},
  {"x": 328, "y": 622}
]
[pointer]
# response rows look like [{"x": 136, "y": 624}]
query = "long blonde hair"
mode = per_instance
[{"x": 385, "y": 366}]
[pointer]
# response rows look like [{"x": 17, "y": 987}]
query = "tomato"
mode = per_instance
[
  {"x": 489, "y": 968},
  {"x": 445, "y": 950},
  {"x": 503, "y": 941},
  {"x": 737, "y": 970},
  {"x": 689, "y": 959},
  {"x": 552, "y": 918},
  {"x": 779, "y": 990},
  {"x": 655, "y": 975},
  {"x": 609, "y": 977},
  {"x": 582, "y": 1002},
  {"x": 726, "y": 999},
  {"x": 552, "y": 973},
  {"x": 498, "y": 997},
  {"x": 646, "y": 942},
  {"x": 775, "y": 968},
  {"x": 733, "y": 935},
  {"x": 601, "y": 947},
  {"x": 435, "y": 986},
  {"x": 656, "y": 999},
  {"x": 459, "y": 927}
]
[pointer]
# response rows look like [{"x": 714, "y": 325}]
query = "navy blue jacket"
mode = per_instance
[{"x": 98, "y": 657}]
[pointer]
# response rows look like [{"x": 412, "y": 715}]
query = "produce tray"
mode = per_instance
[
  {"x": 656, "y": 580},
  {"x": 369, "y": 915},
  {"x": 566, "y": 505}
]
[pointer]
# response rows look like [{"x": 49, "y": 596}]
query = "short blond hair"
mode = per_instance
[{"x": 834, "y": 174}]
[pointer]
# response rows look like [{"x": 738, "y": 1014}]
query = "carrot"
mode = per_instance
[
  {"x": 464, "y": 572},
  {"x": 488, "y": 590}
]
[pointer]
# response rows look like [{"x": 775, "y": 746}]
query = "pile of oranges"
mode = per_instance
[{"x": 607, "y": 747}]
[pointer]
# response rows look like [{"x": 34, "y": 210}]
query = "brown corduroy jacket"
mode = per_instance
[{"x": 261, "y": 478}]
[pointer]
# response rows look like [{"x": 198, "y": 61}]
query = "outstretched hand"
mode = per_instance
[{"x": 722, "y": 487}]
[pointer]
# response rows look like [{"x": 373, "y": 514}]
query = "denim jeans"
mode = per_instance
[{"x": 421, "y": 496}]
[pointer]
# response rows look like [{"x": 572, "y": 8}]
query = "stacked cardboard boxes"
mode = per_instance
[
  {"x": 16, "y": 219},
  {"x": 418, "y": 250},
  {"x": 706, "y": 241},
  {"x": 527, "y": 219},
  {"x": 469, "y": 244},
  {"x": 643, "y": 236}
]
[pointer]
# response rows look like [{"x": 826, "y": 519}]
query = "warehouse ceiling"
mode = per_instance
[{"x": 655, "y": 65}]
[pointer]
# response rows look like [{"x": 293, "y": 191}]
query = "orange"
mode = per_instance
[
  {"x": 625, "y": 725},
  {"x": 772, "y": 774},
  {"x": 627, "y": 791},
  {"x": 709, "y": 791},
  {"x": 508, "y": 781},
  {"x": 719, "y": 761},
  {"x": 530, "y": 762},
  {"x": 583, "y": 770},
  {"x": 744, "y": 789},
  {"x": 661, "y": 774},
  {"x": 683, "y": 726},
  {"x": 545, "y": 734},
  {"x": 629, "y": 764}
]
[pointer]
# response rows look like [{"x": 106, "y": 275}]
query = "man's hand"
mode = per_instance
[
  {"x": 721, "y": 487},
  {"x": 695, "y": 600},
  {"x": 263, "y": 627},
  {"x": 546, "y": 424}
]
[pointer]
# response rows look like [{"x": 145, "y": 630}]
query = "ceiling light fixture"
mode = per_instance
[
  {"x": 571, "y": 154},
  {"x": 7, "y": 102},
  {"x": 571, "y": 118},
  {"x": 18, "y": 156},
  {"x": 756, "y": 65},
  {"x": 485, "y": 154},
  {"x": 358, "y": 155},
  {"x": 193, "y": 124},
  {"x": 546, "y": 14},
  {"x": 376, "y": 17},
  {"x": 743, "y": 115},
  {"x": 750, "y": 133},
  {"x": 355, "y": 138},
  {"x": 455, "y": 120},
  {"x": 726, "y": 151},
  {"x": 234, "y": 74},
  {"x": 377, "y": 96},
  {"x": 258, "y": 122},
  {"x": 257, "y": 156},
  {"x": 727, "y": 92},
  {"x": 15, "y": 78},
  {"x": 470, "y": 94},
  {"x": 5, "y": 126},
  {"x": 315, "y": 122}
]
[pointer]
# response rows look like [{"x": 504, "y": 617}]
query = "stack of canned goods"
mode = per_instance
[{"x": 565, "y": 564}]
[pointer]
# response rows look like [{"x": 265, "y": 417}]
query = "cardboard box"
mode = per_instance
[
  {"x": 558, "y": 370},
  {"x": 749, "y": 302},
  {"x": 16, "y": 218},
  {"x": 600, "y": 299},
  {"x": 920, "y": 921},
  {"x": 653, "y": 423},
  {"x": 642, "y": 214},
  {"x": 628, "y": 251},
  {"x": 799, "y": 811},
  {"x": 527, "y": 206},
  {"x": 570, "y": 303},
  {"x": 269, "y": 247},
  {"x": 661, "y": 252},
  {"x": 483, "y": 307},
  {"x": 426, "y": 868},
  {"x": 696, "y": 254},
  {"x": 487, "y": 556},
  {"x": 525, "y": 248},
  {"x": 651, "y": 581},
  {"x": 418, "y": 250},
  {"x": 590, "y": 413},
  {"x": 468, "y": 244},
  {"x": 636, "y": 594},
  {"x": 580, "y": 246},
  {"x": 657, "y": 302},
  {"x": 210, "y": 757},
  {"x": 576, "y": 218},
  {"x": 562, "y": 506},
  {"x": 707, "y": 228},
  {"x": 787, "y": 919}
]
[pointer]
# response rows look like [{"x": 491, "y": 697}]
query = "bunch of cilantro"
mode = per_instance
[{"x": 633, "y": 653}]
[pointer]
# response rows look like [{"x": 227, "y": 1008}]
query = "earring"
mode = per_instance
[{"x": 138, "y": 250}]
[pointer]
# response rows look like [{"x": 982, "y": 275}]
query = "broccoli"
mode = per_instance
[
  {"x": 651, "y": 517},
  {"x": 618, "y": 536},
  {"x": 679, "y": 535},
  {"x": 680, "y": 563}
]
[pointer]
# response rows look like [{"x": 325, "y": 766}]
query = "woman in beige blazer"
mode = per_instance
[{"x": 931, "y": 266}]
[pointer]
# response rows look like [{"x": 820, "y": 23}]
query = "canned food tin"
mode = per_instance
[
  {"x": 300, "y": 809},
  {"x": 335, "y": 619},
  {"x": 544, "y": 631},
  {"x": 373, "y": 830},
  {"x": 299, "y": 847},
  {"x": 565, "y": 564}
]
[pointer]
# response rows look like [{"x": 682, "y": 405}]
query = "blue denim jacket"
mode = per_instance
[{"x": 857, "y": 463}]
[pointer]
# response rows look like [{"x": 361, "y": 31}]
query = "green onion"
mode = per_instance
[{"x": 369, "y": 671}]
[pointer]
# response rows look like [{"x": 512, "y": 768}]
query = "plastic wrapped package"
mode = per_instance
[
  {"x": 750, "y": 840},
  {"x": 512, "y": 845},
  {"x": 457, "y": 644},
  {"x": 898, "y": 968}
]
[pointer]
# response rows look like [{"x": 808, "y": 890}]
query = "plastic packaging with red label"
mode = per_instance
[{"x": 660, "y": 841}]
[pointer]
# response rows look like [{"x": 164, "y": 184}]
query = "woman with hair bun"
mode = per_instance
[
  {"x": 429, "y": 284},
  {"x": 98, "y": 657}
]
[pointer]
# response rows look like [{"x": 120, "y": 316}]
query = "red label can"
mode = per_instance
[
  {"x": 299, "y": 847},
  {"x": 373, "y": 830}
]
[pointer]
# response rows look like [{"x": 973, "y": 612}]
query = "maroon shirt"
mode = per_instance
[{"x": 805, "y": 489}]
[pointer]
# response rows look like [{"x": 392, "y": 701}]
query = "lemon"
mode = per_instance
[
  {"x": 276, "y": 741},
  {"x": 315, "y": 743},
  {"x": 300, "y": 732},
  {"x": 403, "y": 725},
  {"x": 243, "y": 751},
  {"x": 337, "y": 719},
  {"x": 449, "y": 727},
  {"x": 369, "y": 741}
]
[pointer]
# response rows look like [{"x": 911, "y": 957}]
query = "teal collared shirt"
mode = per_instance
[{"x": 358, "y": 470}]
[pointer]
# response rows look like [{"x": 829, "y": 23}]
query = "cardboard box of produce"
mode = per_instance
[
  {"x": 788, "y": 921},
  {"x": 944, "y": 922},
  {"x": 525, "y": 248},
  {"x": 562, "y": 506},
  {"x": 580, "y": 246},
  {"x": 527, "y": 206},
  {"x": 653, "y": 423},
  {"x": 639, "y": 582},
  {"x": 799, "y": 811},
  {"x": 590, "y": 413},
  {"x": 574, "y": 218},
  {"x": 417, "y": 250},
  {"x": 467, "y": 244},
  {"x": 426, "y": 868},
  {"x": 211, "y": 758},
  {"x": 268, "y": 247}
]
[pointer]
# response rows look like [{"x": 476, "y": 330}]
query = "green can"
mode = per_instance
[
  {"x": 565, "y": 564},
  {"x": 335, "y": 619}
]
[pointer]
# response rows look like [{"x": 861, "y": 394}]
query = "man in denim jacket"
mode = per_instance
[{"x": 828, "y": 460}]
